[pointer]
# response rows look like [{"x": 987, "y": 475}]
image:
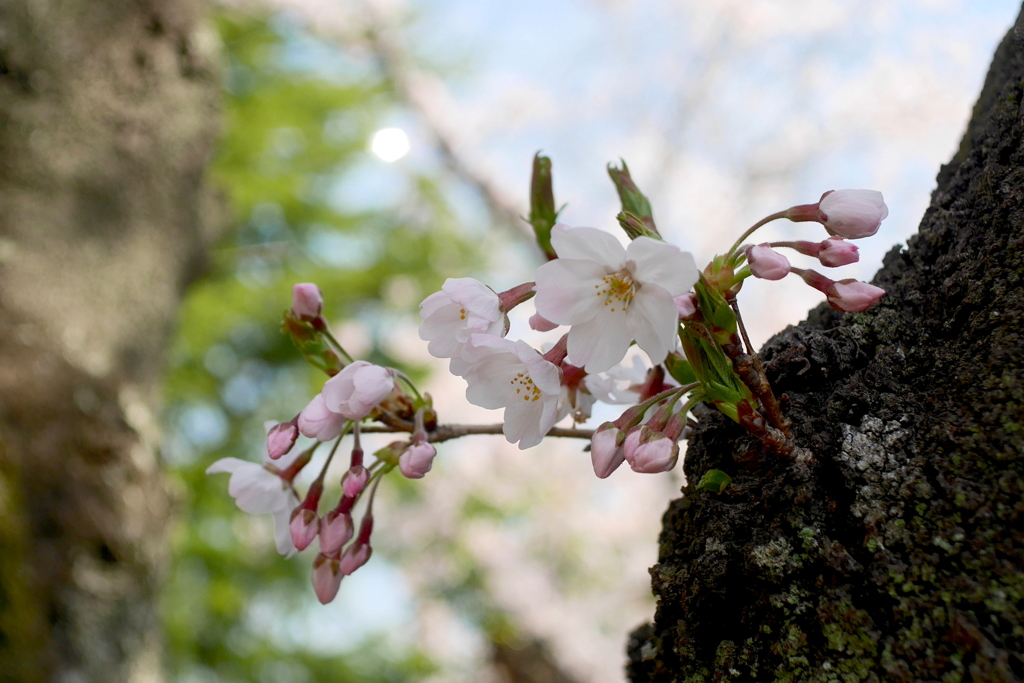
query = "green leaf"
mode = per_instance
[{"x": 715, "y": 481}]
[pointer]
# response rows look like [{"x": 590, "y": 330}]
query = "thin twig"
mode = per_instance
[{"x": 449, "y": 432}]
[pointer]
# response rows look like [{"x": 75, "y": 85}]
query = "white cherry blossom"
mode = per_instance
[
  {"x": 318, "y": 422},
  {"x": 619, "y": 384},
  {"x": 611, "y": 295},
  {"x": 258, "y": 491},
  {"x": 508, "y": 374},
  {"x": 357, "y": 389},
  {"x": 463, "y": 307}
]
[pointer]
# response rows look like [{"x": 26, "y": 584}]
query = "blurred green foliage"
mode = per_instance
[{"x": 294, "y": 143}]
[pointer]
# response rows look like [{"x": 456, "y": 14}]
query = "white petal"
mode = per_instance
[
  {"x": 490, "y": 381},
  {"x": 589, "y": 244},
  {"x": 282, "y": 530},
  {"x": 566, "y": 290},
  {"x": 662, "y": 264},
  {"x": 653, "y": 321},
  {"x": 526, "y": 422},
  {"x": 227, "y": 465},
  {"x": 439, "y": 330},
  {"x": 599, "y": 343},
  {"x": 474, "y": 296},
  {"x": 432, "y": 303},
  {"x": 618, "y": 384},
  {"x": 260, "y": 495}
]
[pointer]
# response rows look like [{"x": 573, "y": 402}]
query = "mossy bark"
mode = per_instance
[
  {"x": 890, "y": 547},
  {"x": 108, "y": 116}
]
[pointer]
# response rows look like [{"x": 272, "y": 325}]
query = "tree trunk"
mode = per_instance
[
  {"x": 108, "y": 115},
  {"x": 889, "y": 547}
]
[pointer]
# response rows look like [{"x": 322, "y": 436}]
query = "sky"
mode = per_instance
[{"x": 726, "y": 111}]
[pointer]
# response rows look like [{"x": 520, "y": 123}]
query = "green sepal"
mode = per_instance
[
  {"x": 714, "y": 481},
  {"x": 310, "y": 343},
  {"x": 633, "y": 200},
  {"x": 543, "y": 214},
  {"x": 634, "y": 227},
  {"x": 680, "y": 369},
  {"x": 714, "y": 308}
]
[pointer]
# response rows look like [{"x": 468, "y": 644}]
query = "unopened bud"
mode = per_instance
[
  {"x": 835, "y": 252},
  {"x": 304, "y": 527},
  {"x": 307, "y": 301},
  {"x": 852, "y": 214},
  {"x": 355, "y": 480},
  {"x": 634, "y": 204},
  {"x": 657, "y": 454},
  {"x": 606, "y": 452},
  {"x": 766, "y": 263},
  {"x": 355, "y": 557},
  {"x": 281, "y": 438},
  {"x": 417, "y": 459},
  {"x": 853, "y": 296},
  {"x": 543, "y": 214},
  {"x": 327, "y": 576},
  {"x": 335, "y": 531}
]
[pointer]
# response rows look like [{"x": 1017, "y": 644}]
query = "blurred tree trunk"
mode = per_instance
[
  {"x": 108, "y": 116},
  {"x": 891, "y": 546}
]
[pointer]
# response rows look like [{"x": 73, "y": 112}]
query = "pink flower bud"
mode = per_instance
[
  {"x": 541, "y": 324},
  {"x": 606, "y": 449},
  {"x": 686, "y": 304},
  {"x": 281, "y": 438},
  {"x": 852, "y": 214},
  {"x": 417, "y": 459},
  {"x": 357, "y": 389},
  {"x": 318, "y": 422},
  {"x": 304, "y": 527},
  {"x": 766, "y": 263},
  {"x": 327, "y": 576},
  {"x": 853, "y": 296},
  {"x": 355, "y": 557},
  {"x": 355, "y": 480},
  {"x": 307, "y": 301},
  {"x": 835, "y": 252},
  {"x": 335, "y": 531},
  {"x": 657, "y": 454},
  {"x": 632, "y": 440}
]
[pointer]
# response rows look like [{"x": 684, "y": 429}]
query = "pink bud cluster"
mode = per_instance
[
  {"x": 846, "y": 215},
  {"x": 648, "y": 448},
  {"x": 359, "y": 390}
]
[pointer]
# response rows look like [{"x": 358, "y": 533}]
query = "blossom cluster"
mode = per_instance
[{"x": 598, "y": 297}]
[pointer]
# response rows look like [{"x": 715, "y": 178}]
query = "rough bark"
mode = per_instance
[
  {"x": 889, "y": 548},
  {"x": 108, "y": 114}
]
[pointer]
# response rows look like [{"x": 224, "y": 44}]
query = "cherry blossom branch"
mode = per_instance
[
  {"x": 750, "y": 231},
  {"x": 449, "y": 432}
]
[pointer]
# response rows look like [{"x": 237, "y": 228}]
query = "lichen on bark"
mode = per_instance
[{"x": 890, "y": 547}]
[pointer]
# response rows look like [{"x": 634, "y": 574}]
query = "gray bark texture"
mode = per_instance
[
  {"x": 889, "y": 547},
  {"x": 108, "y": 117}
]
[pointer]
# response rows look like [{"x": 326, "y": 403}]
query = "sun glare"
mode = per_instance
[{"x": 390, "y": 144}]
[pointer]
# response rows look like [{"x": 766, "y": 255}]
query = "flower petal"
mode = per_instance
[
  {"x": 566, "y": 290},
  {"x": 653, "y": 320},
  {"x": 589, "y": 244},
  {"x": 663, "y": 264},
  {"x": 601, "y": 342}
]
